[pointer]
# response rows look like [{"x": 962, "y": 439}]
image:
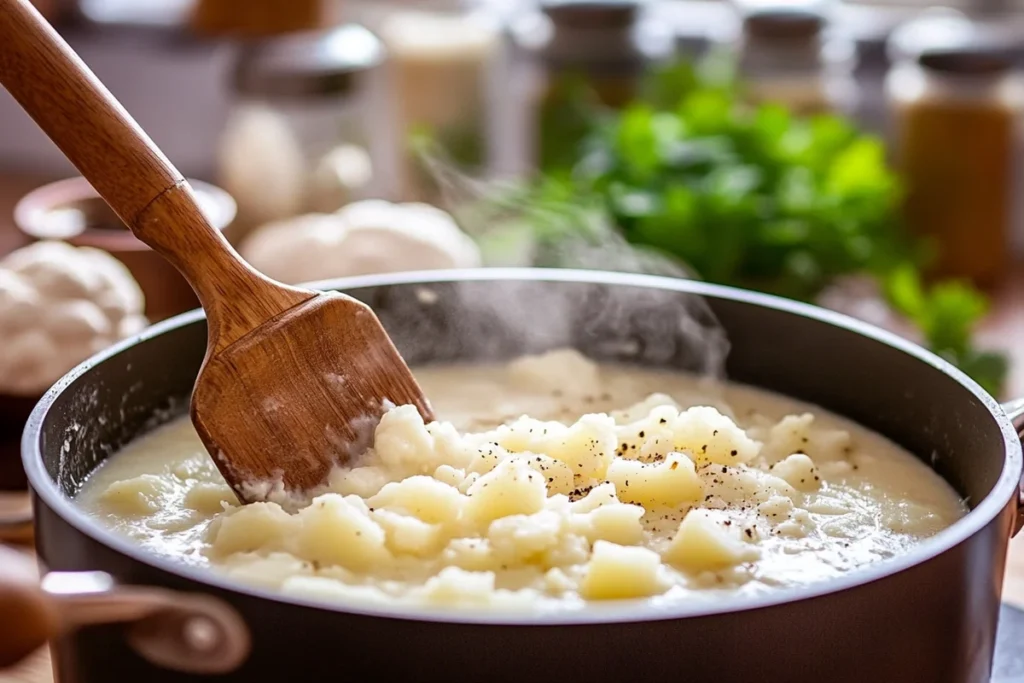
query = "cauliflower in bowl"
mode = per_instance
[
  {"x": 59, "y": 304},
  {"x": 363, "y": 238}
]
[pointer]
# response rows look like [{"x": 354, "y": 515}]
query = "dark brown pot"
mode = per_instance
[
  {"x": 72, "y": 211},
  {"x": 928, "y": 616}
]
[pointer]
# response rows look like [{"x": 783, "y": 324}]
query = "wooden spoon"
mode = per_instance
[{"x": 294, "y": 380}]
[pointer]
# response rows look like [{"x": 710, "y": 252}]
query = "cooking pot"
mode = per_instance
[{"x": 927, "y": 616}]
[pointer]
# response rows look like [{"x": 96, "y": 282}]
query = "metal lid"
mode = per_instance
[
  {"x": 783, "y": 23},
  {"x": 948, "y": 42},
  {"x": 306, "y": 64},
  {"x": 966, "y": 62},
  {"x": 592, "y": 14}
]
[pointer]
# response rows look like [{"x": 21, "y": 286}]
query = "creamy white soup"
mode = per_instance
[{"x": 549, "y": 482}]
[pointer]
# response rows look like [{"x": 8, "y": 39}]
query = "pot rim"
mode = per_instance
[{"x": 1005, "y": 489}]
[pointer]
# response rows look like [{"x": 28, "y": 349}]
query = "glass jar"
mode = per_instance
[
  {"x": 791, "y": 56},
  {"x": 955, "y": 109},
  {"x": 580, "y": 52},
  {"x": 442, "y": 56},
  {"x": 298, "y": 139}
]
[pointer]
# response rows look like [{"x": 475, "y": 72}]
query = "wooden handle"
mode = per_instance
[
  {"x": 27, "y": 613},
  {"x": 69, "y": 103},
  {"x": 101, "y": 139}
]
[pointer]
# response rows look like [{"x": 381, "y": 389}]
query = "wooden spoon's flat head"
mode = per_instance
[{"x": 281, "y": 406}]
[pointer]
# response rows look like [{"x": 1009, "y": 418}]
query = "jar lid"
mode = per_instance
[
  {"x": 948, "y": 42},
  {"x": 592, "y": 14},
  {"x": 979, "y": 60},
  {"x": 306, "y": 64},
  {"x": 783, "y": 23}
]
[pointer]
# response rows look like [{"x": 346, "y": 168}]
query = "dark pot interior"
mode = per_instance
[{"x": 946, "y": 588}]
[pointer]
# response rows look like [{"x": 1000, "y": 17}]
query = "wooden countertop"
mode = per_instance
[{"x": 1006, "y": 324}]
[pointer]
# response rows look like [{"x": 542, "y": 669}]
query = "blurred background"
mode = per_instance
[{"x": 862, "y": 155}]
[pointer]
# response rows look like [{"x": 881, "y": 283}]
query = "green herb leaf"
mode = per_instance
[{"x": 744, "y": 195}]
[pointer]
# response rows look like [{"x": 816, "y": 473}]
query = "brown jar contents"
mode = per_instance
[
  {"x": 256, "y": 18},
  {"x": 956, "y": 157}
]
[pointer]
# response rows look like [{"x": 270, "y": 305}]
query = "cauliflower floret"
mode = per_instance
[
  {"x": 365, "y": 237},
  {"x": 557, "y": 474},
  {"x": 409, "y": 535},
  {"x": 141, "y": 495},
  {"x": 711, "y": 437},
  {"x": 523, "y": 539},
  {"x": 405, "y": 445},
  {"x": 209, "y": 497},
  {"x": 364, "y": 481},
  {"x": 602, "y": 494},
  {"x": 650, "y": 438},
  {"x": 455, "y": 586},
  {"x": 703, "y": 544},
  {"x": 737, "y": 485},
  {"x": 643, "y": 409},
  {"x": 616, "y": 522},
  {"x": 799, "y": 472},
  {"x": 800, "y": 434},
  {"x": 565, "y": 371},
  {"x": 339, "y": 530},
  {"x": 587, "y": 446},
  {"x": 422, "y": 497},
  {"x": 511, "y": 488},
  {"x": 259, "y": 527},
  {"x": 617, "y": 572},
  {"x": 59, "y": 304},
  {"x": 664, "y": 484},
  {"x": 471, "y": 554},
  {"x": 402, "y": 442}
]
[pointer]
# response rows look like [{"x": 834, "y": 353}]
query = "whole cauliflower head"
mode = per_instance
[
  {"x": 59, "y": 304},
  {"x": 362, "y": 238}
]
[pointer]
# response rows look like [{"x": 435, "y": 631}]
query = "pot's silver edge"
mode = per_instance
[
  {"x": 1015, "y": 411},
  {"x": 995, "y": 504}
]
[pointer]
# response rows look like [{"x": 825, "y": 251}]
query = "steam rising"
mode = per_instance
[{"x": 481, "y": 321}]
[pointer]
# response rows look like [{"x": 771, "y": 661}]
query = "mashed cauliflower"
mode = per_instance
[{"x": 554, "y": 483}]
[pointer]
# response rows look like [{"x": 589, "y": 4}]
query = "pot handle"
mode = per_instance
[
  {"x": 1015, "y": 411},
  {"x": 192, "y": 633}
]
